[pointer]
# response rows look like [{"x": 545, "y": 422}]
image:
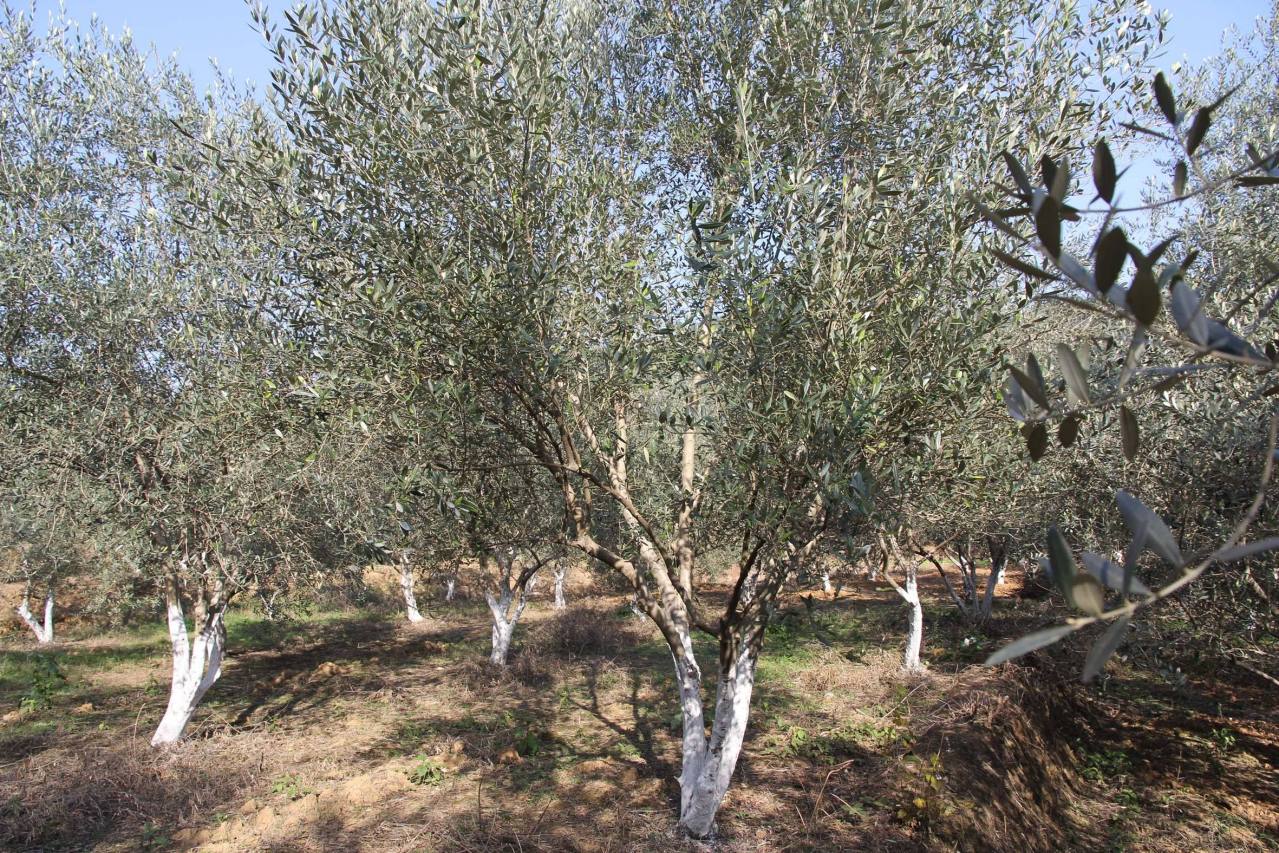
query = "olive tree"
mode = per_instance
[
  {"x": 149, "y": 343},
  {"x": 671, "y": 255},
  {"x": 36, "y": 531}
]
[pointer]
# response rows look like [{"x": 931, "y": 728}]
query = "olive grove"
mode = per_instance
[{"x": 479, "y": 289}]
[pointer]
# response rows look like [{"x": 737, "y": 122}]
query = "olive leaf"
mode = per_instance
[
  {"x": 1107, "y": 644},
  {"x": 1137, "y": 516}
]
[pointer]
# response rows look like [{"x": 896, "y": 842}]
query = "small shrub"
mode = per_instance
[
  {"x": 926, "y": 800},
  {"x": 531, "y": 669},
  {"x": 527, "y": 743},
  {"x": 61, "y": 799},
  {"x": 154, "y": 837},
  {"x": 426, "y": 771},
  {"x": 44, "y": 679}
]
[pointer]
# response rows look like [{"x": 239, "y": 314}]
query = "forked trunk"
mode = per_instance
[
  {"x": 196, "y": 664},
  {"x": 708, "y": 763},
  {"x": 560, "y": 572},
  {"x": 450, "y": 588},
  {"x": 43, "y": 631},
  {"x": 406, "y": 587},
  {"x": 504, "y": 620}
]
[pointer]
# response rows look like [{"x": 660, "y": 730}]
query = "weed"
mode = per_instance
[
  {"x": 844, "y": 741},
  {"x": 1128, "y": 798},
  {"x": 625, "y": 749},
  {"x": 1106, "y": 764},
  {"x": 44, "y": 679},
  {"x": 926, "y": 798},
  {"x": 1223, "y": 739},
  {"x": 527, "y": 743},
  {"x": 426, "y": 771},
  {"x": 154, "y": 837},
  {"x": 290, "y": 785},
  {"x": 411, "y": 735}
]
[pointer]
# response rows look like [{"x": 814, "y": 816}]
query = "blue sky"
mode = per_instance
[{"x": 197, "y": 31}]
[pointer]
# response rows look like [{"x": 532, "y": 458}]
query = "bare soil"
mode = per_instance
[{"x": 355, "y": 731}]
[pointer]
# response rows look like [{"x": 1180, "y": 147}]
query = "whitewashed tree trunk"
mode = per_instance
[
  {"x": 915, "y": 639},
  {"x": 708, "y": 763},
  {"x": 503, "y": 623},
  {"x": 450, "y": 588},
  {"x": 43, "y": 631},
  {"x": 910, "y": 594},
  {"x": 826, "y": 584},
  {"x": 561, "y": 571},
  {"x": 514, "y": 582},
  {"x": 196, "y": 665},
  {"x": 406, "y": 587},
  {"x": 502, "y": 631}
]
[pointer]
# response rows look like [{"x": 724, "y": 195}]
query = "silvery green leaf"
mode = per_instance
[
  {"x": 1087, "y": 594},
  {"x": 1015, "y": 400},
  {"x": 1221, "y": 339},
  {"x": 1138, "y": 516},
  {"x": 1112, "y": 574},
  {"x": 1030, "y": 643},
  {"x": 1241, "y": 552},
  {"x": 1073, "y": 372},
  {"x": 1186, "y": 311},
  {"x": 1062, "y": 561},
  {"x": 1106, "y": 645},
  {"x": 1076, "y": 272}
]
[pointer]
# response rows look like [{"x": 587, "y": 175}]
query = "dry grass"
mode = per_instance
[{"x": 74, "y": 794}]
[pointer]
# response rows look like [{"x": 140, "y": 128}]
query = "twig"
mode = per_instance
[{"x": 821, "y": 791}]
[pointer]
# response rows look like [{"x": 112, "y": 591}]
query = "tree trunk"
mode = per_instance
[
  {"x": 450, "y": 587},
  {"x": 909, "y": 594},
  {"x": 406, "y": 587},
  {"x": 561, "y": 571},
  {"x": 43, "y": 632},
  {"x": 708, "y": 763},
  {"x": 504, "y": 621},
  {"x": 826, "y": 585},
  {"x": 998, "y": 562},
  {"x": 915, "y": 639},
  {"x": 196, "y": 664},
  {"x": 502, "y": 631}
]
